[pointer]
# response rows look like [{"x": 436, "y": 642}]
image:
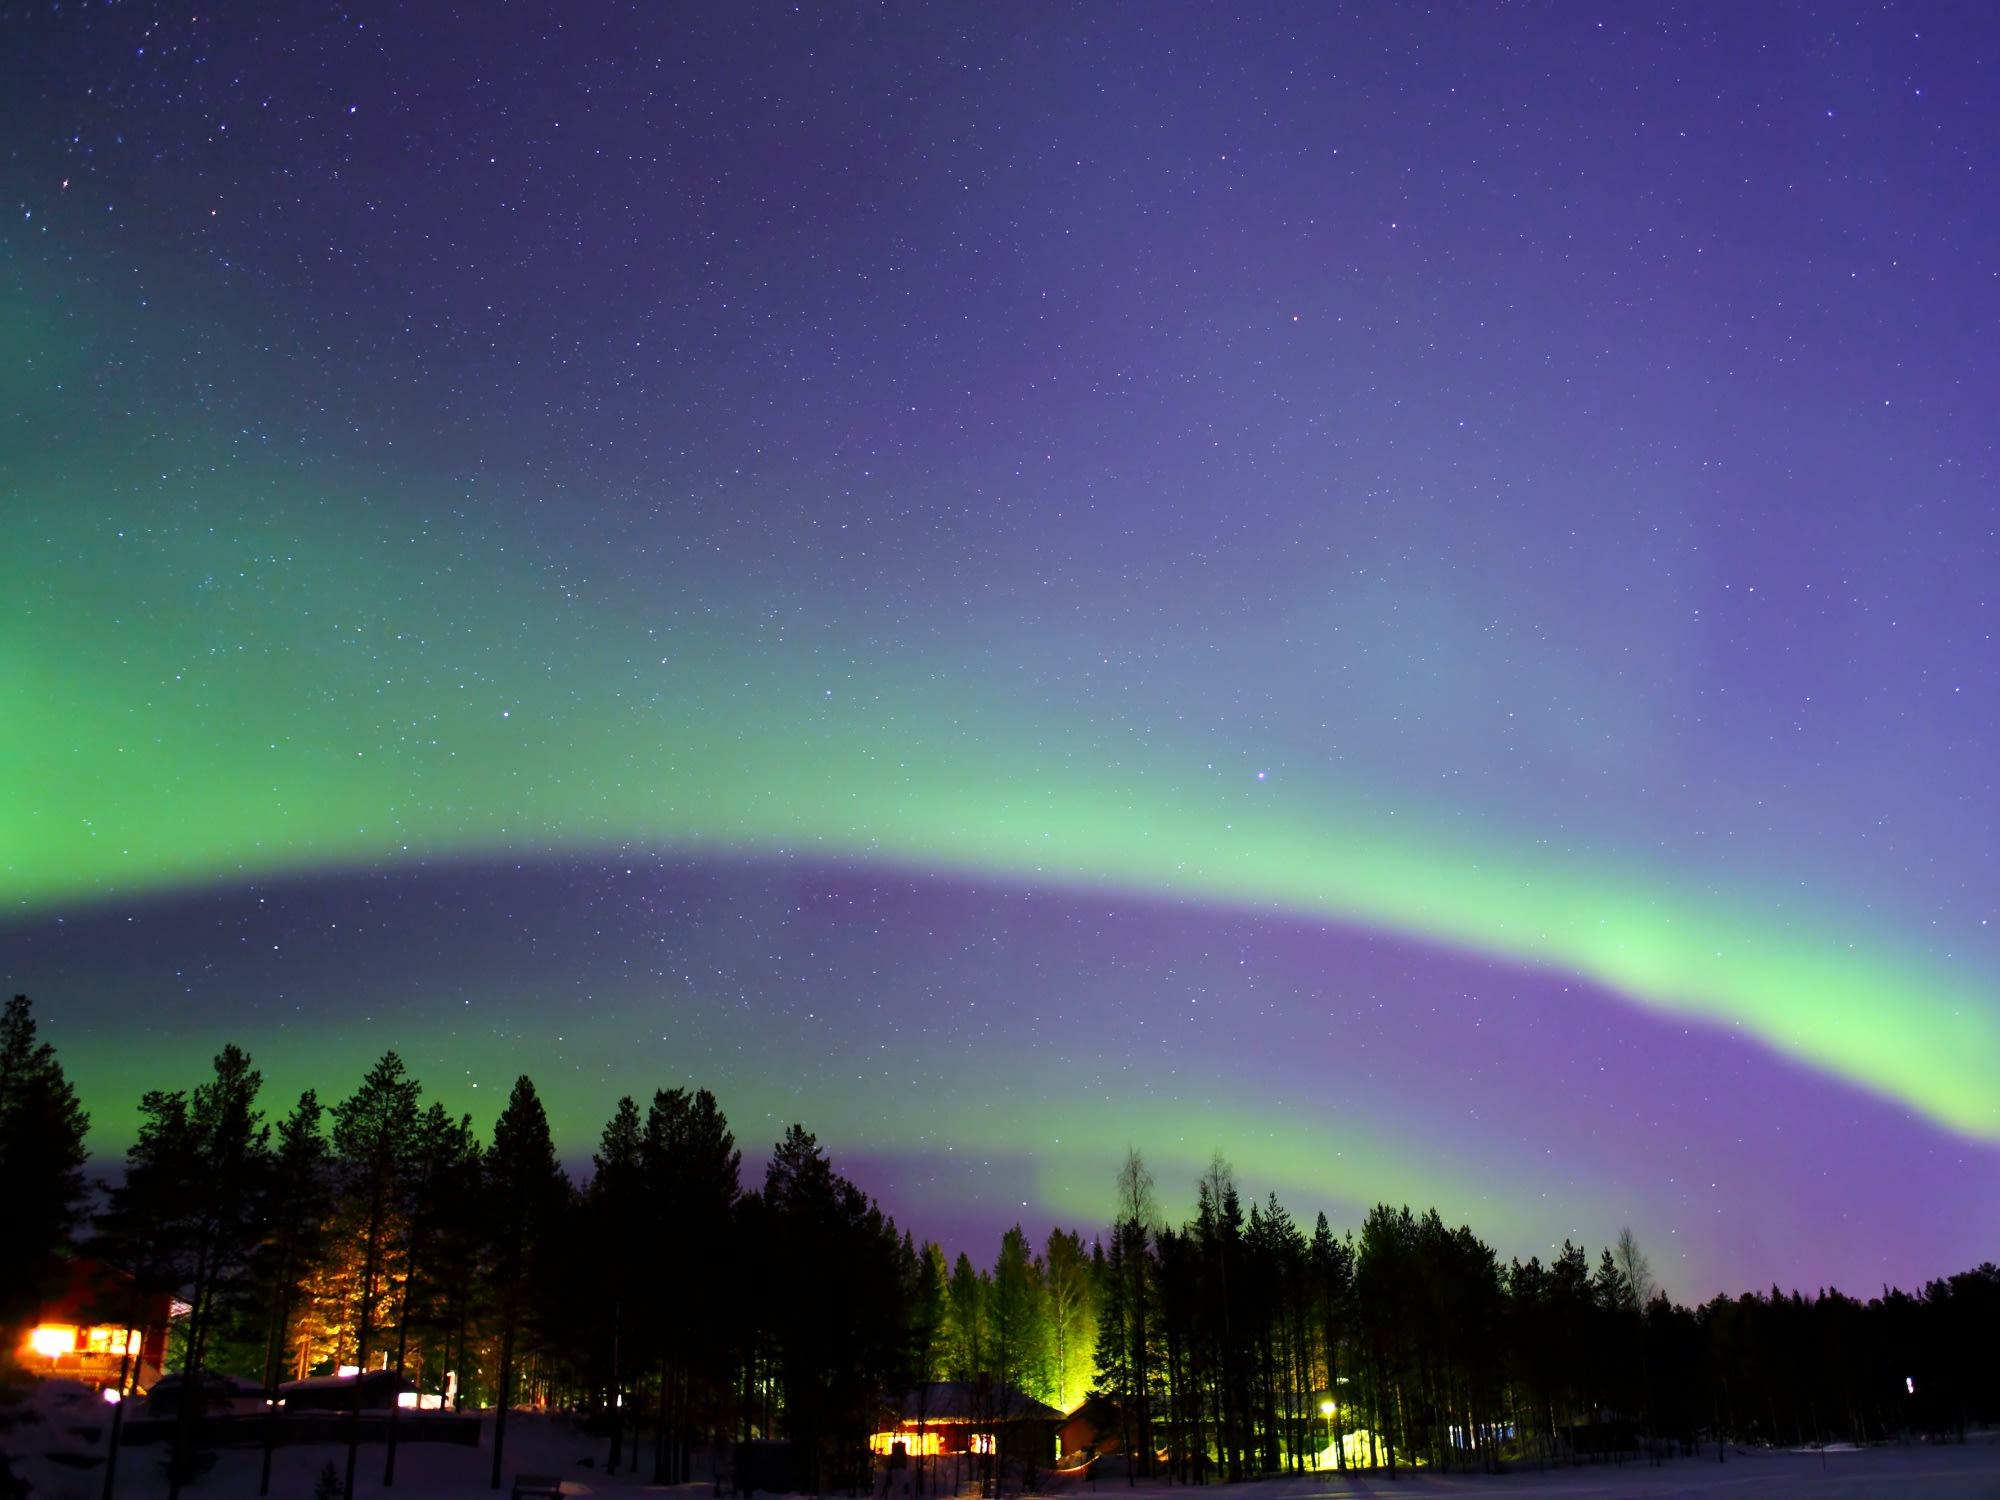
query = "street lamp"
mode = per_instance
[{"x": 1326, "y": 1410}]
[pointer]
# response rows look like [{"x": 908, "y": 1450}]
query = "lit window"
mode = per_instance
[
  {"x": 53, "y": 1339},
  {"x": 915, "y": 1444},
  {"x": 112, "y": 1341}
]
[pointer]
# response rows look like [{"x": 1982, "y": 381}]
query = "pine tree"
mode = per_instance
[
  {"x": 691, "y": 1168},
  {"x": 1570, "y": 1313},
  {"x": 296, "y": 1204},
  {"x": 930, "y": 1316},
  {"x": 185, "y": 1217},
  {"x": 41, "y": 1162},
  {"x": 526, "y": 1195},
  {"x": 930, "y": 1320},
  {"x": 1332, "y": 1262},
  {"x": 1385, "y": 1292},
  {"x": 836, "y": 1353},
  {"x": 1072, "y": 1312},
  {"x": 374, "y": 1136},
  {"x": 967, "y": 1295},
  {"x": 1127, "y": 1291},
  {"x": 442, "y": 1180},
  {"x": 616, "y": 1216},
  {"x": 1020, "y": 1323},
  {"x": 374, "y": 1140}
]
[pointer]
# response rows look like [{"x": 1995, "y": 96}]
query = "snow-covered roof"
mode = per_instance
[{"x": 967, "y": 1401}]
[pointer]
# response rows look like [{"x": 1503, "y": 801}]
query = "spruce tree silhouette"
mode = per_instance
[
  {"x": 41, "y": 1163},
  {"x": 526, "y": 1196}
]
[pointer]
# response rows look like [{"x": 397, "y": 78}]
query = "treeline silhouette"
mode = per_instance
[
  {"x": 683, "y": 1310},
  {"x": 1241, "y": 1344}
]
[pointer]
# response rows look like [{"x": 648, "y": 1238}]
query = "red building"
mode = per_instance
[
  {"x": 951, "y": 1417},
  {"x": 101, "y": 1330}
]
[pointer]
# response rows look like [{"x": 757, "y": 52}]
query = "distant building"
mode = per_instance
[
  {"x": 962, "y": 1416},
  {"x": 100, "y": 1331},
  {"x": 378, "y": 1390},
  {"x": 1095, "y": 1427}
]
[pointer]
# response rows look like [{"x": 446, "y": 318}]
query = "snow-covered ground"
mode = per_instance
[
  {"x": 548, "y": 1445},
  {"x": 1969, "y": 1471}
]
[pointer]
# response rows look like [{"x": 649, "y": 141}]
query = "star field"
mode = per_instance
[{"x": 1406, "y": 597}]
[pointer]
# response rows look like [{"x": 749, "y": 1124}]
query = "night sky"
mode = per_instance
[{"x": 1406, "y": 596}]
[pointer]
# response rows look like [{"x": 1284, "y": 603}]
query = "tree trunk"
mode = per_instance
[
  {"x": 126, "y": 1380},
  {"x": 506, "y": 1398},
  {"x": 402, "y": 1350},
  {"x": 371, "y": 1264},
  {"x": 660, "y": 1432},
  {"x": 274, "y": 1352}
]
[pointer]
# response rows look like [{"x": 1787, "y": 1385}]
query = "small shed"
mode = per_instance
[{"x": 1097, "y": 1426}]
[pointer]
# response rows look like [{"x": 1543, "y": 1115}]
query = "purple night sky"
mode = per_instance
[{"x": 1405, "y": 597}]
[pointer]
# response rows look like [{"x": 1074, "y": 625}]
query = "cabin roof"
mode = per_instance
[{"x": 964, "y": 1401}]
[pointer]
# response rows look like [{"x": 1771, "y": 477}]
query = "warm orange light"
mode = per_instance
[
  {"x": 916, "y": 1444},
  {"x": 53, "y": 1339},
  {"x": 110, "y": 1341}
]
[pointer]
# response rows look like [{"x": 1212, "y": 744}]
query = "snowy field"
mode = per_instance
[{"x": 549, "y": 1446}]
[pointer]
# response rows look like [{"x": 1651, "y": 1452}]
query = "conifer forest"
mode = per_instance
[{"x": 685, "y": 1298}]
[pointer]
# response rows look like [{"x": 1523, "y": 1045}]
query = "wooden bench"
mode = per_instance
[{"x": 537, "y": 1487}]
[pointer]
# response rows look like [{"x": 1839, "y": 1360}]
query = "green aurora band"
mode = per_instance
[{"x": 194, "y": 696}]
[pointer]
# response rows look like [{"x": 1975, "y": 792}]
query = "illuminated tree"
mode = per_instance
[
  {"x": 295, "y": 1213},
  {"x": 1072, "y": 1316},
  {"x": 325, "y": 1321},
  {"x": 966, "y": 1298},
  {"x": 1332, "y": 1266},
  {"x": 931, "y": 1314},
  {"x": 1277, "y": 1313},
  {"x": 41, "y": 1162},
  {"x": 440, "y": 1202},
  {"x": 374, "y": 1137},
  {"x": 374, "y": 1142},
  {"x": 1019, "y": 1322}
]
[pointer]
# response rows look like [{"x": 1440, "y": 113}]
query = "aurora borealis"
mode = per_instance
[{"x": 1405, "y": 598}]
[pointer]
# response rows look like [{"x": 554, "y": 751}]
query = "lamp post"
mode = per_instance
[{"x": 1326, "y": 1410}]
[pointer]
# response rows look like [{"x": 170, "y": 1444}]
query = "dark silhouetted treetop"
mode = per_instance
[{"x": 41, "y": 1161}]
